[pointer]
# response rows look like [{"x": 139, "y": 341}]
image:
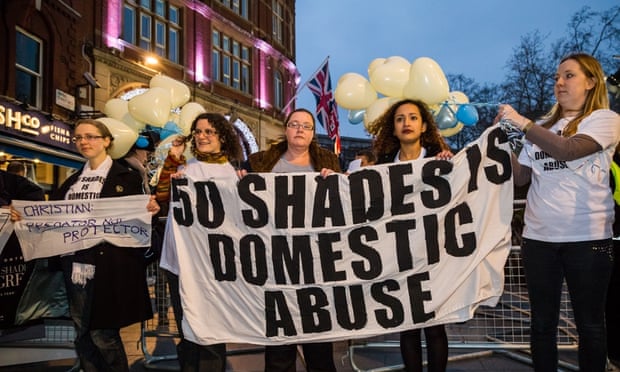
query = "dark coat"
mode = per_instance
[
  {"x": 17, "y": 187},
  {"x": 264, "y": 161},
  {"x": 121, "y": 294}
]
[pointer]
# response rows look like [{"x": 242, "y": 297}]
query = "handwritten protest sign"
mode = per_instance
[
  {"x": 53, "y": 228},
  {"x": 289, "y": 258}
]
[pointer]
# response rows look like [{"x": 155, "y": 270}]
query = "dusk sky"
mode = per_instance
[{"x": 474, "y": 38}]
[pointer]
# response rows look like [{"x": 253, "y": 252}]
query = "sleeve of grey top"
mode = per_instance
[
  {"x": 562, "y": 148},
  {"x": 520, "y": 173}
]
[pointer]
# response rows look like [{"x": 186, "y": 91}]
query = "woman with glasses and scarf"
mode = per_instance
[{"x": 216, "y": 153}]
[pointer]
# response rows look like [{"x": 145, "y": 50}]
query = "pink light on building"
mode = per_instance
[
  {"x": 263, "y": 83},
  {"x": 199, "y": 58},
  {"x": 113, "y": 24}
]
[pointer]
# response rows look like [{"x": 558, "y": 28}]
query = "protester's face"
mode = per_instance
[
  {"x": 571, "y": 86},
  {"x": 364, "y": 160},
  {"x": 206, "y": 138},
  {"x": 408, "y": 124},
  {"x": 89, "y": 141},
  {"x": 300, "y": 136}
]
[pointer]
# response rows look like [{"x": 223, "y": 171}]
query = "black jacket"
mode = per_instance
[{"x": 121, "y": 293}]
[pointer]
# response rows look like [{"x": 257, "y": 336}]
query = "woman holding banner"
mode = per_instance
[
  {"x": 407, "y": 131},
  {"x": 570, "y": 210},
  {"x": 298, "y": 152},
  {"x": 216, "y": 153},
  {"x": 106, "y": 284}
]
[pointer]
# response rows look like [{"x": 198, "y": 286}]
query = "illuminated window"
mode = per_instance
[
  {"x": 153, "y": 25},
  {"x": 230, "y": 62},
  {"x": 238, "y": 6},
  {"x": 215, "y": 56},
  {"x": 277, "y": 20},
  {"x": 278, "y": 94},
  {"x": 28, "y": 64}
]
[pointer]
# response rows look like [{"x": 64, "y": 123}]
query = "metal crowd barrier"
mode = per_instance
[
  {"x": 503, "y": 328},
  {"x": 50, "y": 340}
]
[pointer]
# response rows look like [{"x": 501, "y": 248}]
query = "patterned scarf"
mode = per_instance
[{"x": 218, "y": 158}]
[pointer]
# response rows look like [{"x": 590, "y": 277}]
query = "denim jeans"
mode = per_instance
[
  {"x": 97, "y": 349},
  {"x": 586, "y": 266}
]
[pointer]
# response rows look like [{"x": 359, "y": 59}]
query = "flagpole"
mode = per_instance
[{"x": 304, "y": 84}]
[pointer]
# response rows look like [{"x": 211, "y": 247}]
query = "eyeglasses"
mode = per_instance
[
  {"x": 207, "y": 132},
  {"x": 86, "y": 138},
  {"x": 298, "y": 125}
]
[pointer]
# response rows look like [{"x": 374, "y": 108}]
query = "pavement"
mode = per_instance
[{"x": 378, "y": 354}]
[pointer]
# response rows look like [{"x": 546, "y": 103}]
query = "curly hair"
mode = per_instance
[
  {"x": 226, "y": 132},
  {"x": 386, "y": 142}
]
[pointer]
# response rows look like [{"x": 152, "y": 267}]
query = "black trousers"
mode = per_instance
[
  {"x": 612, "y": 309},
  {"x": 319, "y": 357}
]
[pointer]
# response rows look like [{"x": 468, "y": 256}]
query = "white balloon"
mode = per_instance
[
  {"x": 390, "y": 77},
  {"x": 124, "y": 137},
  {"x": 354, "y": 92},
  {"x": 179, "y": 92},
  {"x": 151, "y": 107},
  {"x": 118, "y": 109},
  {"x": 188, "y": 114},
  {"x": 374, "y": 64},
  {"x": 378, "y": 108},
  {"x": 427, "y": 82},
  {"x": 449, "y": 132}
]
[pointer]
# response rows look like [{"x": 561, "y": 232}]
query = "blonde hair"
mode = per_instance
[{"x": 596, "y": 97}]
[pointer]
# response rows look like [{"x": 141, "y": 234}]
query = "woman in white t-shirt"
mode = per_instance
[{"x": 569, "y": 213}]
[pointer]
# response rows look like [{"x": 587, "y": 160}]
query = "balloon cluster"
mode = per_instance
[
  {"x": 163, "y": 108},
  {"x": 394, "y": 78}
]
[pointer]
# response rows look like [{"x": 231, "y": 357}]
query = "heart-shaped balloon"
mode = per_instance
[
  {"x": 354, "y": 92},
  {"x": 427, "y": 82},
  {"x": 118, "y": 109},
  {"x": 179, "y": 92},
  {"x": 124, "y": 137},
  {"x": 151, "y": 107}
]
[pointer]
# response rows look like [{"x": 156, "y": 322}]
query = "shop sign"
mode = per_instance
[{"x": 34, "y": 126}]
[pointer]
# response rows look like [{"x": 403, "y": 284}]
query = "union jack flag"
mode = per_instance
[{"x": 326, "y": 108}]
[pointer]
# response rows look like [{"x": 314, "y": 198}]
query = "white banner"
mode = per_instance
[
  {"x": 6, "y": 227},
  {"x": 51, "y": 228},
  {"x": 289, "y": 258}
]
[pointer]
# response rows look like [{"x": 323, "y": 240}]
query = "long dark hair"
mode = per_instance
[{"x": 383, "y": 128}]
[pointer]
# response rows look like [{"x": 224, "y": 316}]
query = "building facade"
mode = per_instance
[{"x": 67, "y": 58}]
